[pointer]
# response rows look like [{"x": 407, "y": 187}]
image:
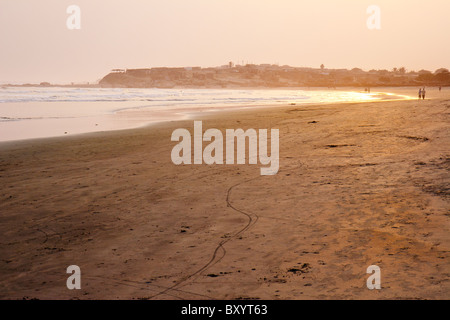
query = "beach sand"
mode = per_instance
[{"x": 359, "y": 184}]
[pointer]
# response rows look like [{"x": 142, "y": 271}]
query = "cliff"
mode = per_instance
[{"x": 270, "y": 76}]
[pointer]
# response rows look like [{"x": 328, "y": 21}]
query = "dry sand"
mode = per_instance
[{"x": 359, "y": 184}]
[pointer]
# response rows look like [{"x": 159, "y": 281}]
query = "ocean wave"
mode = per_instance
[{"x": 209, "y": 96}]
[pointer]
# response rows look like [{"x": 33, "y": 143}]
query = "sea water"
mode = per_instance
[{"x": 38, "y": 112}]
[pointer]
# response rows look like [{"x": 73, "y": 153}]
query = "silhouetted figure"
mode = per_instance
[
  {"x": 440, "y": 88},
  {"x": 423, "y": 93},
  {"x": 420, "y": 93}
]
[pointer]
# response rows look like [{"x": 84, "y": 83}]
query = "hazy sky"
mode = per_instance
[{"x": 36, "y": 45}]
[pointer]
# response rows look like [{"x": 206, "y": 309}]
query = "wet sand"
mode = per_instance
[{"x": 359, "y": 184}]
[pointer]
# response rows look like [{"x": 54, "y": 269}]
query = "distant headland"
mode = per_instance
[
  {"x": 264, "y": 76},
  {"x": 274, "y": 76}
]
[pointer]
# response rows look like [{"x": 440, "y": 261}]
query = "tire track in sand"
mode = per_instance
[{"x": 220, "y": 251}]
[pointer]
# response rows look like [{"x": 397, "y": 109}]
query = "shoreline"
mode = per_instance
[
  {"x": 359, "y": 184},
  {"x": 159, "y": 115}
]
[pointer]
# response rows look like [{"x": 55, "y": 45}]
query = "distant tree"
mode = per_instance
[
  {"x": 322, "y": 66},
  {"x": 394, "y": 70},
  {"x": 442, "y": 75},
  {"x": 402, "y": 70},
  {"x": 425, "y": 75},
  {"x": 441, "y": 70},
  {"x": 357, "y": 70}
]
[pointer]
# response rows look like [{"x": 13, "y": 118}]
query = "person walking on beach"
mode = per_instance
[
  {"x": 423, "y": 93},
  {"x": 420, "y": 93}
]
